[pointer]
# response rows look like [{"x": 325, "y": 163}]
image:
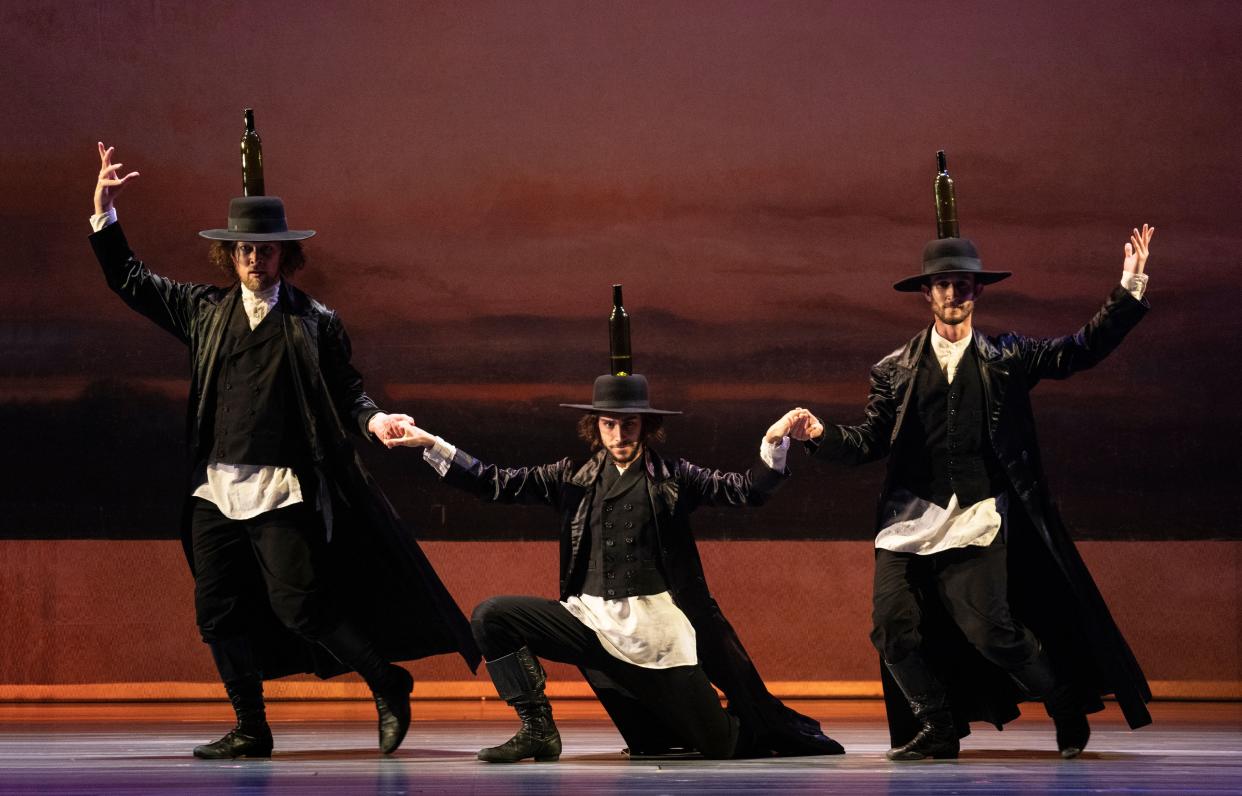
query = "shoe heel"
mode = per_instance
[{"x": 547, "y": 758}]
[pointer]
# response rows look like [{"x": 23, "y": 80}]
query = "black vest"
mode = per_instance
[
  {"x": 255, "y": 412},
  {"x": 945, "y": 448},
  {"x": 622, "y": 549}
]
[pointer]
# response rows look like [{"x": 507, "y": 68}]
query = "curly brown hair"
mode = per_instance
[
  {"x": 292, "y": 257},
  {"x": 588, "y": 429}
]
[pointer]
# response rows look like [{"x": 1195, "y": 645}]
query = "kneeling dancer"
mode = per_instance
[{"x": 635, "y": 612}]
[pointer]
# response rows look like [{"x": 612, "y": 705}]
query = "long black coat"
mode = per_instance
[
  {"x": 1051, "y": 591},
  {"x": 676, "y": 489},
  {"x": 379, "y": 573}
]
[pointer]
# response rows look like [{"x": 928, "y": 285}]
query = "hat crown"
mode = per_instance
[
  {"x": 950, "y": 247},
  {"x": 257, "y": 214},
  {"x": 621, "y": 392}
]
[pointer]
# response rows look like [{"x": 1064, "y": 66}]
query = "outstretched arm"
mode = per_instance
[
  {"x": 755, "y": 486},
  {"x": 494, "y": 484},
  {"x": 867, "y": 441},
  {"x": 1061, "y": 357},
  {"x": 353, "y": 405}
]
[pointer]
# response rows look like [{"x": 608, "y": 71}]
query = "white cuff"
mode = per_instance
[
  {"x": 440, "y": 456},
  {"x": 1134, "y": 282},
  {"x": 101, "y": 220},
  {"x": 774, "y": 455}
]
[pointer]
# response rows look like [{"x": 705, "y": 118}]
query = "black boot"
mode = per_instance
[
  {"x": 252, "y": 737},
  {"x": 1039, "y": 681},
  {"x": 1067, "y": 714},
  {"x": 519, "y": 681},
  {"x": 937, "y": 737},
  {"x": 390, "y": 685}
]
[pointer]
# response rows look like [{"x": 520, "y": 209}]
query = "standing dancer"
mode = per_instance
[
  {"x": 300, "y": 563},
  {"x": 978, "y": 586}
]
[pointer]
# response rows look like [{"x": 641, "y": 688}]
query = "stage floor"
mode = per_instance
[{"x": 329, "y": 748}]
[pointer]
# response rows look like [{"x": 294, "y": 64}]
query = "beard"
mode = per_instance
[
  {"x": 953, "y": 314},
  {"x": 627, "y": 454},
  {"x": 256, "y": 282}
]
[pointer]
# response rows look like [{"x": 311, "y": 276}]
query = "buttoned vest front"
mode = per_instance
[
  {"x": 945, "y": 449},
  {"x": 622, "y": 555},
  {"x": 255, "y": 412}
]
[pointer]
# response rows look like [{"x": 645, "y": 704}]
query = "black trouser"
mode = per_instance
[
  {"x": 970, "y": 582},
  {"x": 279, "y": 552},
  {"x": 682, "y": 696}
]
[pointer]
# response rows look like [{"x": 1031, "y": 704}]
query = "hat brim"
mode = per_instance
[
  {"x": 621, "y": 410},
  {"x": 913, "y": 284},
  {"x": 257, "y": 237}
]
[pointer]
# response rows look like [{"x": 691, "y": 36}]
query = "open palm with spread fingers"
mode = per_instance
[
  {"x": 109, "y": 184},
  {"x": 1137, "y": 250}
]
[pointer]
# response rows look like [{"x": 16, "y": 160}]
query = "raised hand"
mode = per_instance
[
  {"x": 109, "y": 185},
  {"x": 1137, "y": 250}
]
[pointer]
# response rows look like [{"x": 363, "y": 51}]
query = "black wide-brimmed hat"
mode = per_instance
[
  {"x": 255, "y": 219},
  {"x": 621, "y": 395},
  {"x": 950, "y": 256}
]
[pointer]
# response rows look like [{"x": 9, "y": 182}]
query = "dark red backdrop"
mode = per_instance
[{"x": 756, "y": 174}]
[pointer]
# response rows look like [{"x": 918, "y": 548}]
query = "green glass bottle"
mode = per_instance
[
  {"x": 621, "y": 363},
  {"x": 252, "y": 159},
  {"x": 946, "y": 203}
]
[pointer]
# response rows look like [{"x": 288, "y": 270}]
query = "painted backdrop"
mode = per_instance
[{"x": 756, "y": 174}]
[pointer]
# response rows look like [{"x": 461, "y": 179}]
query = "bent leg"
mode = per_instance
[
  {"x": 510, "y": 631},
  {"x": 291, "y": 548},
  {"x": 974, "y": 585},
  {"x": 975, "y": 588},
  {"x": 505, "y": 624}
]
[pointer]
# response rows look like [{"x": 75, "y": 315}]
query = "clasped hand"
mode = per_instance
[{"x": 797, "y": 423}]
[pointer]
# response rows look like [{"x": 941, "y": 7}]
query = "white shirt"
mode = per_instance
[
  {"x": 914, "y": 525},
  {"x": 647, "y": 630}
]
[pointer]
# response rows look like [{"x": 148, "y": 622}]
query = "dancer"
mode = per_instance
[
  {"x": 635, "y": 612},
  {"x": 978, "y": 586},
  {"x": 300, "y": 563}
]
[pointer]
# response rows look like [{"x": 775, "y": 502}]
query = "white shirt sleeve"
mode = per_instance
[
  {"x": 101, "y": 220},
  {"x": 1134, "y": 282},
  {"x": 440, "y": 456},
  {"x": 774, "y": 455}
]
